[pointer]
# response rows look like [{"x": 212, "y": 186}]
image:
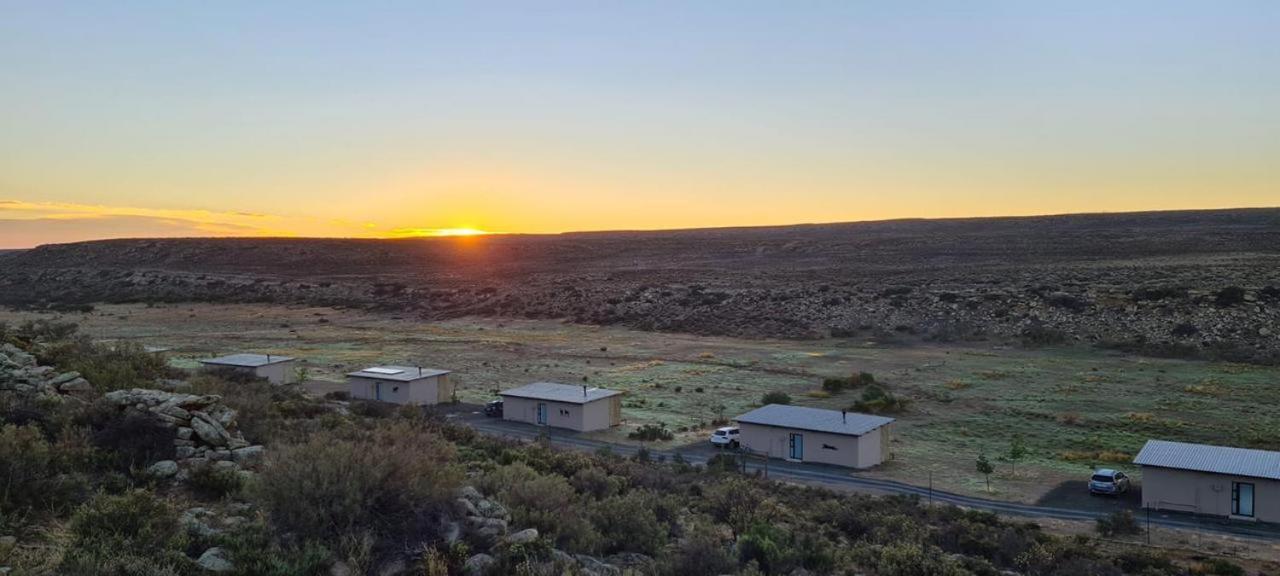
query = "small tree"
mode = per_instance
[
  {"x": 985, "y": 469},
  {"x": 1017, "y": 451}
]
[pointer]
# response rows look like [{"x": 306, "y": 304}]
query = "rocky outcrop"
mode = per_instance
[{"x": 20, "y": 374}]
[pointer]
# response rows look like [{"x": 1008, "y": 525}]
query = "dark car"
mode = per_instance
[{"x": 493, "y": 408}]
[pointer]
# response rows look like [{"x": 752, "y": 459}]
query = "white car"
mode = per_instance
[{"x": 727, "y": 436}]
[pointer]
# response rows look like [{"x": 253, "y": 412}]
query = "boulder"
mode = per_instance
[
  {"x": 523, "y": 537},
  {"x": 215, "y": 560},
  {"x": 249, "y": 455},
  {"x": 163, "y": 469},
  {"x": 341, "y": 568},
  {"x": 393, "y": 568},
  {"x": 209, "y": 430},
  {"x": 184, "y": 452},
  {"x": 76, "y": 386},
  {"x": 63, "y": 378},
  {"x": 478, "y": 565},
  {"x": 226, "y": 465},
  {"x": 592, "y": 566},
  {"x": 184, "y": 433},
  {"x": 199, "y": 521}
]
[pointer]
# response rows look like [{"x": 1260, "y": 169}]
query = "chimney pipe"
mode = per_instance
[
  {"x": 419, "y": 371},
  {"x": 584, "y": 390},
  {"x": 843, "y": 417}
]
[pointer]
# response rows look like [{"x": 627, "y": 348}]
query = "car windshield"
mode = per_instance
[
  {"x": 720, "y": 432},
  {"x": 1101, "y": 478}
]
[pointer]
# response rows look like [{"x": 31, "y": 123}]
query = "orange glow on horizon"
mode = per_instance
[{"x": 436, "y": 232}]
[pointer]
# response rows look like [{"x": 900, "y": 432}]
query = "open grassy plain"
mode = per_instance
[{"x": 1073, "y": 407}]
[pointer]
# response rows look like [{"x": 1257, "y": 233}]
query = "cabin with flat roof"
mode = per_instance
[
  {"x": 1237, "y": 483},
  {"x": 272, "y": 368},
  {"x": 401, "y": 385},
  {"x": 801, "y": 434},
  {"x": 578, "y": 408}
]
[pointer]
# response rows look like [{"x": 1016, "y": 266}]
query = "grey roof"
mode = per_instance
[
  {"x": 559, "y": 392},
  {"x": 398, "y": 373},
  {"x": 1206, "y": 458},
  {"x": 815, "y": 419},
  {"x": 247, "y": 360}
]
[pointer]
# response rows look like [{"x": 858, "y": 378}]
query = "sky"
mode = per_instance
[{"x": 388, "y": 119}]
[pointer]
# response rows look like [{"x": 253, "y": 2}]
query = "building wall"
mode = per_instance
[
  {"x": 1205, "y": 493},
  {"x": 278, "y": 373},
  {"x": 841, "y": 450},
  {"x": 595, "y": 415},
  {"x": 421, "y": 392}
]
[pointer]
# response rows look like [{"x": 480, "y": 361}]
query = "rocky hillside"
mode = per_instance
[{"x": 1174, "y": 283}]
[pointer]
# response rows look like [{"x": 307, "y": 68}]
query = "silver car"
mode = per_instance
[{"x": 1109, "y": 482}]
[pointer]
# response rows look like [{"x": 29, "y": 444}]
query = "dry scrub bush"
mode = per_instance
[
  {"x": 130, "y": 534},
  {"x": 36, "y": 474},
  {"x": 389, "y": 480}
]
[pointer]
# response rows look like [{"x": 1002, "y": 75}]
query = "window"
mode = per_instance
[{"x": 829, "y": 447}]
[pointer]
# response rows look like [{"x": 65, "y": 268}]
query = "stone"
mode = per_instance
[
  {"x": 490, "y": 509},
  {"x": 181, "y": 442},
  {"x": 218, "y": 454},
  {"x": 592, "y": 566},
  {"x": 184, "y": 452},
  {"x": 468, "y": 509},
  {"x": 249, "y": 455},
  {"x": 64, "y": 378},
  {"x": 478, "y": 565},
  {"x": 470, "y": 493},
  {"x": 172, "y": 409},
  {"x": 226, "y": 465},
  {"x": 451, "y": 532},
  {"x": 523, "y": 537},
  {"x": 184, "y": 433},
  {"x": 197, "y": 521},
  {"x": 208, "y": 429},
  {"x": 163, "y": 469},
  {"x": 222, "y": 414},
  {"x": 341, "y": 568},
  {"x": 215, "y": 560},
  {"x": 76, "y": 386}
]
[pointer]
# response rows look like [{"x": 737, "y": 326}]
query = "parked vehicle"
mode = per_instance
[
  {"x": 493, "y": 409},
  {"x": 1108, "y": 481},
  {"x": 727, "y": 436}
]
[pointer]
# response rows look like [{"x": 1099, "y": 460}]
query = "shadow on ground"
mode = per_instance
[{"x": 1074, "y": 494}]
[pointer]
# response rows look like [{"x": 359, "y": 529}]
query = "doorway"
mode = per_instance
[
  {"x": 796, "y": 445},
  {"x": 542, "y": 413},
  {"x": 1242, "y": 499}
]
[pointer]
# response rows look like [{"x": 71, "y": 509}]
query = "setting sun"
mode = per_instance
[{"x": 433, "y": 232}]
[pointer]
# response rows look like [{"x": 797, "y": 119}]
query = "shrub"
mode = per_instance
[
  {"x": 1119, "y": 523},
  {"x": 128, "y": 534},
  {"x": 701, "y": 551},
  {"x": 1229, "y": 296},
  {"x": 132, "y": 439},
  {"x": 37, "y": 475},
  {"x": 388, "y": 480},
  {"x": 1218, "y": 567},
  {"x": 543, "y": 501},
  {"x": 211, "y": 482},
  {"x": 110, "y": 367},
  {"x": 877, "y": 400},
  {"x": 652, "y": 433},
  {"x": 1038, "y": 335},
  {"x": 253, "y": 551},
  {"x": 775, "y": 398},
  {"x": 628, "y": 523}
]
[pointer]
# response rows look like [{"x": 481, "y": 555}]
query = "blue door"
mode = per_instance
[
  {"x": 1242, "y": 499},
  {"x": 542, "y": 413},
  {"x": 797, "y": 446},
  {"x": 377, "y": 390}
]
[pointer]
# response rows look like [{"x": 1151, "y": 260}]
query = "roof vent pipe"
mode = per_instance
[
  {"x": 419, "y": 371},
  {"x": 584, "y": 390},
  {"x": 843, "y": 417}
]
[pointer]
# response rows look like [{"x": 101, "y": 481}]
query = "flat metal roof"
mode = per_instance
[
  {"x": 1213, "y": 459},
  {"x": 559, "y": 392},
  {"x": 398, "y": 373},
  {"x": 814, "y": 419},
  {"x": 247, "y": 360}
]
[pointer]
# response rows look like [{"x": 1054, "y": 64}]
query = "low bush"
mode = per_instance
[
  {"x": 211, "y": 482},
  {"x": 775, "y": 398},
  {"x": 628, "y": 523},
  {"x": 652, "y": 433},
  {"x": 387, "y": 480},
  {"x": 1120, "y": 523},
  {"x": 36, "y": 475},
  {"x": 254, "y": 551},
  {"x": 108, "y": 367},
  {"x": 127, "y": 534},
  {"x": 130, "y": 439},
  {"x": 1229, "y": 296},
  {"x": 877, "y": 400}
]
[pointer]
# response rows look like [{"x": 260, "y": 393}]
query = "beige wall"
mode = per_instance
[
  {"x": 840, "y": 449},
  {"x": 593, "y": 415},
  {"x": 1204, "y": 493},
  {"x": 277, "y": 373},
  {"x": 421, "y": 392}
]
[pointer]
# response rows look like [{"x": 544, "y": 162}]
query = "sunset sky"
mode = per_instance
[{"x": 127, "y": 119}]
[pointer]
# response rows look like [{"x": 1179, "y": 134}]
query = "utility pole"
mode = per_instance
[{"x": 931, "y": 488}]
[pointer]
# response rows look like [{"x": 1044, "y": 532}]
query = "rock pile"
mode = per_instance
[
  {"x": 21, "y": 374},
  {"x": 205, "y": 432},
  {"x": 488, "y": 522}
]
